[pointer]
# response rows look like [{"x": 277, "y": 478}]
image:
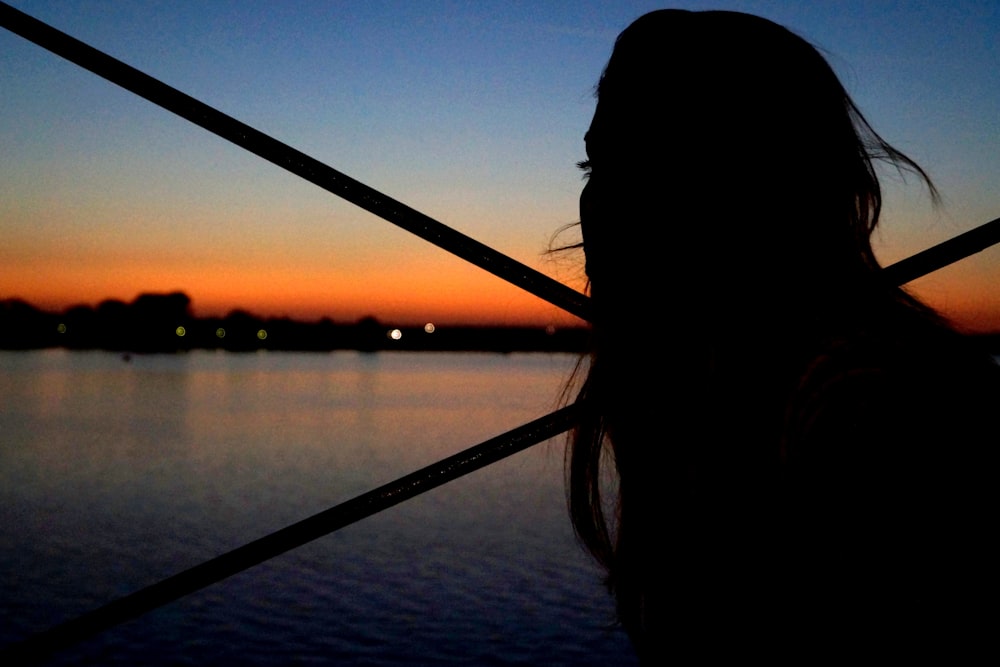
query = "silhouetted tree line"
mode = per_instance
[{"x": 164, "y": 323}]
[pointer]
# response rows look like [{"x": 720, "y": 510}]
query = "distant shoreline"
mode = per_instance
[{"x": 163, "y": 323}]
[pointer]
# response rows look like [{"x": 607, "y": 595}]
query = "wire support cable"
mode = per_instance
[
  {"x": 295, "y": 161},
  {"x": 944, "y": 253},
  {"x": 242, "y": 558}
]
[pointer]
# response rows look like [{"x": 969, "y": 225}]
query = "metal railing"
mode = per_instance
[{"x": 479, "y": 254}]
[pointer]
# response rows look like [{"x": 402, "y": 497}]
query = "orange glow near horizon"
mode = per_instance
[
  {"x": 405, "y": 283},
  {"x": 461, "y": 295},
  {"x": 967, "y": 293},
  {"x": 412, "y": 296}
]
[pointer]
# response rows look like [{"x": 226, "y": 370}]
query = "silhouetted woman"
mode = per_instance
[{"x": 800, "y": 453}]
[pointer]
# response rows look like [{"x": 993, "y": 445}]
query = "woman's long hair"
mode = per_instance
[{"x": 731, "y": 187}]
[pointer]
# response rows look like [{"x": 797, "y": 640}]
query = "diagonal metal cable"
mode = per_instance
[
  {"x": 295, "y": 161},
  {"x": 944, "y": 253},
  {"x": 242, "y": 558},
  {"x": 474, "y": 458}
]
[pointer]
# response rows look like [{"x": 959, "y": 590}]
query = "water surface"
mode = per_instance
[{"x": 115, "y": 474}]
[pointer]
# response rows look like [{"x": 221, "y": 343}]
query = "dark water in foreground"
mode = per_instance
[{"x": 114, "y": 475}]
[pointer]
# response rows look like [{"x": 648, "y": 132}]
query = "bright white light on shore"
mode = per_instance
[
  {"x": 429, "y": 327},
  {"x": 395, "y": 334}
]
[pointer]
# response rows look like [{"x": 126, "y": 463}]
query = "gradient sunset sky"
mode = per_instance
[{"x": 472, "y": 112}]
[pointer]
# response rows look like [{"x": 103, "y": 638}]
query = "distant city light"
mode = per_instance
[
  {"x": 261, "y": 334},
  {"x": 429, "y": 327},
  {"x": 220, "y": 333},
  {"x": 551, "y": 329},
  {"x": 61, "y": 328},
  {"x": 395, "y": 334},
  {"x": 180, "y": 331}
]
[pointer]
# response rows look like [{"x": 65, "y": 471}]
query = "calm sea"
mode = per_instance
[{"x": 115, "y": 474}]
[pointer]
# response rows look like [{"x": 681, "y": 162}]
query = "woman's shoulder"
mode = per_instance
[
  {"x": 905, "y": 414},
  {"x": 903, "y": 378},
  {"x": 893, "y": 453}
]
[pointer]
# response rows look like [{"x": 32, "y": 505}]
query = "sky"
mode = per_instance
[{"x": 472, "y": 112}]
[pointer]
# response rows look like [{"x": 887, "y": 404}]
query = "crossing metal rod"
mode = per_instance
[
  {"x": 295, "y": 161},
  {"x": 944, "y": 253},
  {"x": 179, "y": 585}
]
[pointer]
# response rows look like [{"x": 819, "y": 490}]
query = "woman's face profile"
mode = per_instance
[
  {"x": 591, "y": 197},
  {"x": 587, "y": 166},
  {"x": 622, "y": 194}
]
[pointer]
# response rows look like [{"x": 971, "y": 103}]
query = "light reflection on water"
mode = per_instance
[{"x": 114, "y": 474}]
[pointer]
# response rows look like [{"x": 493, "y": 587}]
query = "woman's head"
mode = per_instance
[
  {"x": 725, "y": 145},
  {"x": 731, "y": 187}
]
